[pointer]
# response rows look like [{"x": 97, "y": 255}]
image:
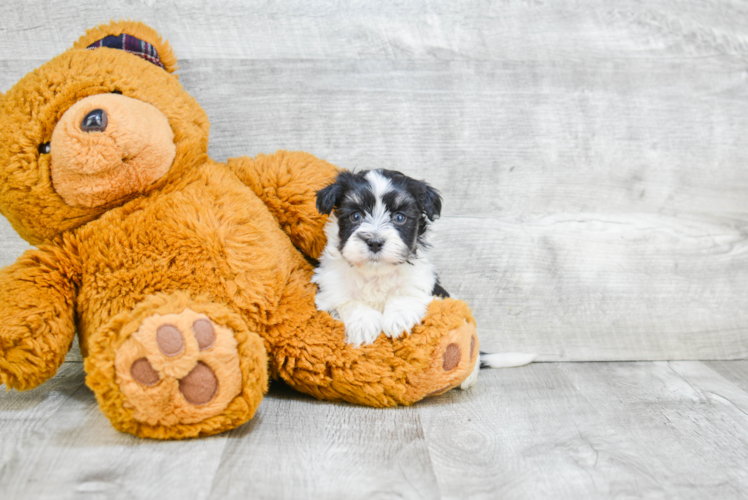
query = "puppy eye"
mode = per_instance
[
  {"x": 356, "y": 217},
  {"x": 116, "y": 92},
  {"x": 399, "y": 218},
  {"x": 44, "y": 148}
]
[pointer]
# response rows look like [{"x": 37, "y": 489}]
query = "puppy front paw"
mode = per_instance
[
  {"x": 363, "y": 327},
  {"x": 396, "y": 322}
]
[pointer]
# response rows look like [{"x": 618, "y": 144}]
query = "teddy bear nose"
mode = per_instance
[{"x": 95, "y": 121}]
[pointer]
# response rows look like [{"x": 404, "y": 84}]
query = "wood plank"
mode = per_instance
[
  {"x": 297, "y": 447},
  {"x": 75, "y": 452},
  {"x": 502, "y": 138},
  {"x": 591, "y": 430},
  {"x": 24, "y": 414},
  {"x": 713, "y": 386},
  {"x": 600, "y": 286},
  {"x": 568, "y": 430},
  {"x": 419, "y": 29},
  {"x": 734, "y": 371}
]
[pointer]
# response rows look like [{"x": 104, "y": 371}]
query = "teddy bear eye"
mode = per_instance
[{"x": 45, "y": 148}]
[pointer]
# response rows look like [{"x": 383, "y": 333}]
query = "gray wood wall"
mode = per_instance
[{"x": 592, "y": 154}]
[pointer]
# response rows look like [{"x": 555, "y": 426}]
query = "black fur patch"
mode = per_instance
[
  {"x": 427, "y": 204},
  {"x": 439, "y": 291}
]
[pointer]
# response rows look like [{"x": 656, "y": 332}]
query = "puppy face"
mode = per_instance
[{"x": 382, "y": 215}]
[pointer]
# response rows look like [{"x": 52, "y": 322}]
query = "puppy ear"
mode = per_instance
[
  {"x": 429, "y": 200},
  {"x": 328, "y": 198}
]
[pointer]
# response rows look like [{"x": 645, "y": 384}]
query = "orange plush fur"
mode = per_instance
[{"x": 185, "y": 279}]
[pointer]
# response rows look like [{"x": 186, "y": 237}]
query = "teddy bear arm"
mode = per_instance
[
  {"x": 287, "y": 182},
  {"x": 37, "y": 297}
]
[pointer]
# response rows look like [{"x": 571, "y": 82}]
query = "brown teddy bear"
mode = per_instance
[{"x": 187, "y": 280}]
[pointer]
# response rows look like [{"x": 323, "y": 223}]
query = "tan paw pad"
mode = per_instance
[
  {"x": 451, "y": 357},
  {"x": 204, "y": 333},
  {"x": 200, "y": 385},
  {"x": 143, "y": 373},
  {"x": 169, "y": 340}
]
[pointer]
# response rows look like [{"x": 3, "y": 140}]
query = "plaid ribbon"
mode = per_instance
[{"x": 130, "y": 44}]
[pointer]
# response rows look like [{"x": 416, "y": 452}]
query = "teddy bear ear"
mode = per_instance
[{"x": 131, "y": 36}]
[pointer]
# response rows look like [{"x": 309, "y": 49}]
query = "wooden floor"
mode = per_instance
[{"x": 548, "y": 430}]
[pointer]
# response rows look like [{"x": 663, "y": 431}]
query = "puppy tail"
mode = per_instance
[
  {"x": 497, "y": 360},
  {"x": 506, "y": 359}
]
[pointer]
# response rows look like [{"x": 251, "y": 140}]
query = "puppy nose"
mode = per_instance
[
  {"x": 374, "y": 244},
  {"x": 95, "y": 121}
]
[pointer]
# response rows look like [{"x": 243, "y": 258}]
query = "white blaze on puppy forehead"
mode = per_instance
[{"x": 380, "y": 185}]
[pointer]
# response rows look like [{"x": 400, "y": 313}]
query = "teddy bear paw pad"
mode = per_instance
[
  {"x": 178, "y": 368},
  {"x": 452, "y": 362}
]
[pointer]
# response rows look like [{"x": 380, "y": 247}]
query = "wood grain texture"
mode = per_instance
[
  {"x": 548, "y": 430},
  {"x": 600, "y": 286},
  {"x": 24, "y": 414},
  {"x": 297, "y": 447},
  {"x": 734, "y": 371},
  {"x": 75, "y": 452},
  {"x": 718, "y": 389},
  {"x": 592, "y": 430},
  {"x": 591, "y": 155},
  {"x": 418, "y": 29}
]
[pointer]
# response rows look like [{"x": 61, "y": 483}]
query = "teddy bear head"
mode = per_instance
[{"x": 101, "y": 124}]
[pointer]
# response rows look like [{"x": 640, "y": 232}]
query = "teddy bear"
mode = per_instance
[{"x": 188, "y": 281}]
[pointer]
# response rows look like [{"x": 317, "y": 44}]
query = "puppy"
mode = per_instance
[{"x": 373, "y": 274}]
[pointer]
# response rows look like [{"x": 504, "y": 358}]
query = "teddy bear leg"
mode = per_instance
[
  {"x": 437, "y": 356},
  {"x": 175, "y": 367}
]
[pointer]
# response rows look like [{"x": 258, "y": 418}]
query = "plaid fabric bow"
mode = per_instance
[{"x": 130, "y": 44}]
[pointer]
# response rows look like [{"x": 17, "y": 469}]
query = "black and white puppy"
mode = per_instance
[{"x": 374, "y": 274}]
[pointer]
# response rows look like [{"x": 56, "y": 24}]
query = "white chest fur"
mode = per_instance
[{"x": 373, "y": 297}]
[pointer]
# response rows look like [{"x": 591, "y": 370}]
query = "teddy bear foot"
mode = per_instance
[
  {"x": 178, "y": 368},
  {"x": 452, "y": 361},
  {"x": 181, "y": 373}
]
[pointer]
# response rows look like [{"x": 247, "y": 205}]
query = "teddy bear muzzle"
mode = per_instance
[{"x": 108, "y": 146}]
